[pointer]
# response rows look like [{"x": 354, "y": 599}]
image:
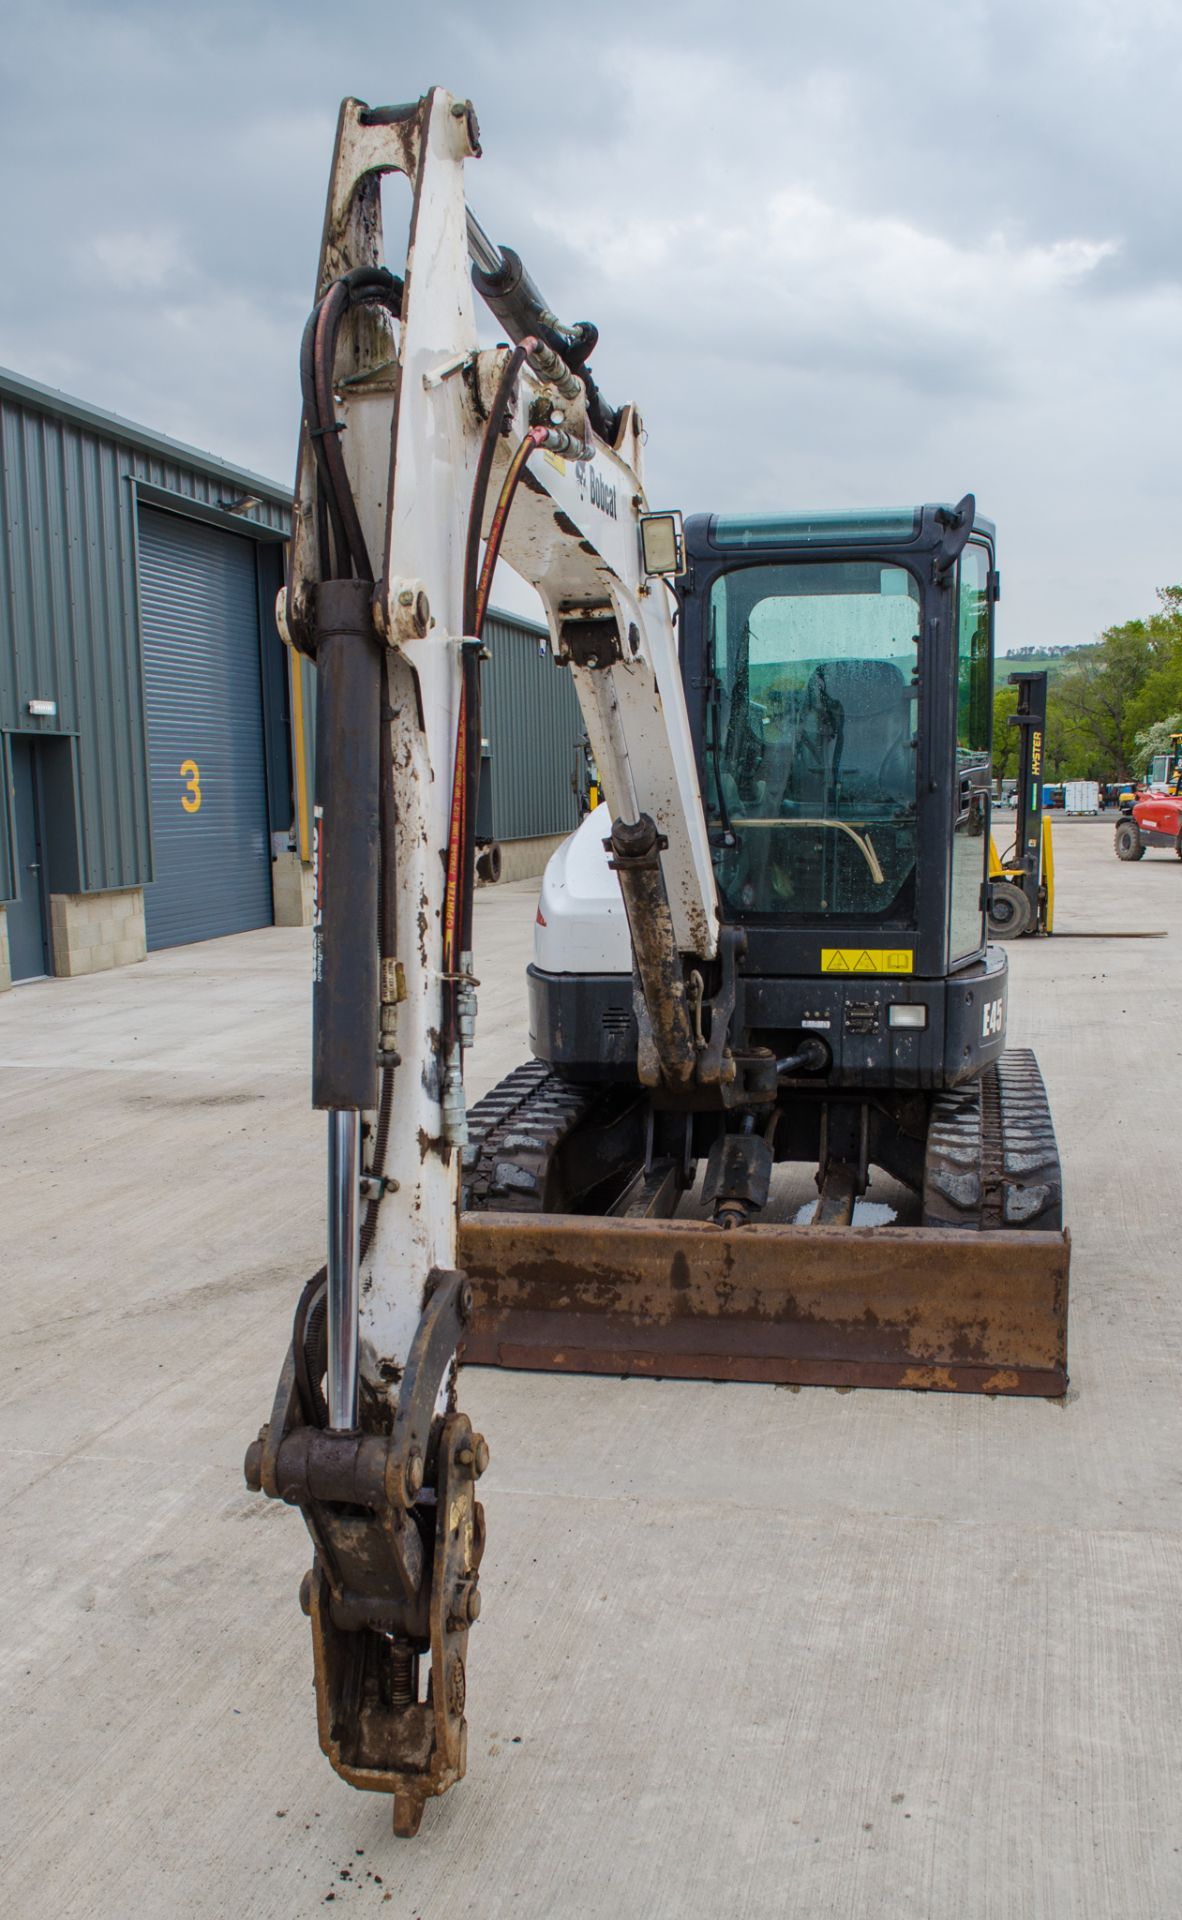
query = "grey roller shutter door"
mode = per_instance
[{"x": 200, "y": 624}]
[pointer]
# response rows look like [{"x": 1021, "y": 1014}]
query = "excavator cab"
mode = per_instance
[
  {"x": 843, "y": 738},
  {"x": 838, "y": 676}
]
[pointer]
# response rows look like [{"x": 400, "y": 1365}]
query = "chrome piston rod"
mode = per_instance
[
  {"x": 482, "y": 251},
  {"x": 344, "y": 1267}
]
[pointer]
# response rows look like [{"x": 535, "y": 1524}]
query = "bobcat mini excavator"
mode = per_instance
[{"x": 767, "y": 944}]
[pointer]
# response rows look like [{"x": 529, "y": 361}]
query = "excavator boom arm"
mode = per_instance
[{"x": 421, "y": 459}]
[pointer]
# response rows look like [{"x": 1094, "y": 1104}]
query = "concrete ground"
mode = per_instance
[{"x": 744, "y": 1651}]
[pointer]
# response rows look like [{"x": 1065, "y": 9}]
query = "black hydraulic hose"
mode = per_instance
[
  {"x": 377, "y": 286},
  {"x": 471, "y": 670},
  {"x": 327, "y": 515},
  {"x": 473, "y": 617},
  {"x": 332, "y": 309},
  {"x": 494, "y": 428},
  {"x": 307, "y": 1333},
  {"x": 605, "y": 420},
  {"x": 462, "y": 851}
]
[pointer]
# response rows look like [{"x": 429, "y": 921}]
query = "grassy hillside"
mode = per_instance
[{"x": 1055, "y": 662}]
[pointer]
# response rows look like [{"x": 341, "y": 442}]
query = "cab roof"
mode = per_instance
[{"x": 921, "y": 526}]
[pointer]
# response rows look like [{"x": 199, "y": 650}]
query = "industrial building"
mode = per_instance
[{"x": 156, "y": 738}]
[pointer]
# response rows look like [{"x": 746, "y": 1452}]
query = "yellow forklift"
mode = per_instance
[{"x": 1022, "y": 885}]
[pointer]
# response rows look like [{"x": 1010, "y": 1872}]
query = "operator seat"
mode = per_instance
[{"x": 854, "y": 738}]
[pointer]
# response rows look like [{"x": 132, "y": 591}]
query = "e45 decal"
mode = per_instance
[{"x": 993, "y": 1018}]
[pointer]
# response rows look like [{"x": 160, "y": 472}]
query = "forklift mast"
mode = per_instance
[{"x": 1025, "y": 865}]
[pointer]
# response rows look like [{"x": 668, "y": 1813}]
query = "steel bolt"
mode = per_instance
[
  {"x": 475, "y": 1456},
  {"x": 414, "y": 1473},
  {"x": 406, "y": 598},
  {"x": 465, "y": 1608},
  {"x": 306, "y": 1594}
]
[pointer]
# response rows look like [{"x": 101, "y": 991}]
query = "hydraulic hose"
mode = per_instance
[
  {"x": 365, "y": 285},
  {"x": 535, "y": 438},
  {"x": 506, "y": 288},
  {"x": 356, "y": 833},
  {"x": 459, "y": 890},
  {"x": 494, "y": 428}
]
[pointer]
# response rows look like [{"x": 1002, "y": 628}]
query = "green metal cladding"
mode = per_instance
[
  {"x": 70, "y": 477},
  {"x": 71, "y": 480},
  {"x": 532, "y": 722}
]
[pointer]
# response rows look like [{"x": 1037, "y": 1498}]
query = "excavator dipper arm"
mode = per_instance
[{"x": 415, "y": 445}]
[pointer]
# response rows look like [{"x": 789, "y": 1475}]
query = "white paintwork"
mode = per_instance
[
  {"x": 434, "y": 465},
  {"x": 418, "y": 536},
  {"x": 578, "y": 543},
  {"x": 581, "y": 925},
  {"x": 634, "y": 711}
]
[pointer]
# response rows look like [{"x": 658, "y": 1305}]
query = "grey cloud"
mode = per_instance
[{"x": 164, "y": 173}]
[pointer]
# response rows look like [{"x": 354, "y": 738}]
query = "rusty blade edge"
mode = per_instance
[
  {"x": 912, "y": 1308},
  {"x": 489, "y": 1350}
]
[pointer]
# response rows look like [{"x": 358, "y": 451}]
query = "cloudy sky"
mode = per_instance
[{"x": 848, "y": 255}]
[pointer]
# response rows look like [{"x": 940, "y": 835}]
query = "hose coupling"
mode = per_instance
[{"x": 454, "y": 1107}]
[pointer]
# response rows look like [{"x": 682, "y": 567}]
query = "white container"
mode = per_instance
[{"x": 1081, "y": 796}]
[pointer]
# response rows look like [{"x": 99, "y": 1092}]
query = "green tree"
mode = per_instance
[
  {"x": 1108, "y": 701},
  {"x": 1156, "y": 739},
  {"x": 1005, "y": 737},
  {"x": 1160, "y": 693},
  {"x": 1095, "y": 702}
]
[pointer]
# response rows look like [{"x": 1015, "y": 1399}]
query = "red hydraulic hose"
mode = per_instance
[{"x": 536, "y": 437}]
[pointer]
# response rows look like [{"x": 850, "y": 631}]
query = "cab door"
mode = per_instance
[{"x": 973, "y": 764}]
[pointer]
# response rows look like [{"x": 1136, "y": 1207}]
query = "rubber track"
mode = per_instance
[
  {"x": 513, "y": 1134},
  {"x": 992, "y": 1159}
]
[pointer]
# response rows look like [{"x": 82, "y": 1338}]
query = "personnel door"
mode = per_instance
[{"x": 28, "y": 929}]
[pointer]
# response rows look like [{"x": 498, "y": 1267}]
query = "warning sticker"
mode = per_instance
[
  {"x": 867, "y": 960},
  {"x": 555, "y": 460}
]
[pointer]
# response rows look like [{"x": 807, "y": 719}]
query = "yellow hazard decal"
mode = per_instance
[
  {"x": 867, "y": 960},
  {"x": 555, "y": 460}
]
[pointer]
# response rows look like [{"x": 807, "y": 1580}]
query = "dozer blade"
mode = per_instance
[{"x": 919, "y": 1307}]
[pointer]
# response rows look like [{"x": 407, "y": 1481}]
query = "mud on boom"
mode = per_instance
[{"x": 767, "y": 945}]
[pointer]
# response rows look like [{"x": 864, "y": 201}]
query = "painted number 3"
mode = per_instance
[{"x": 191, "y": 798}]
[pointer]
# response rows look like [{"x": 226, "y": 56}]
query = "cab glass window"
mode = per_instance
[
  {"x": 974, "y": 703},
  {"x": 810, "y": 732}
]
